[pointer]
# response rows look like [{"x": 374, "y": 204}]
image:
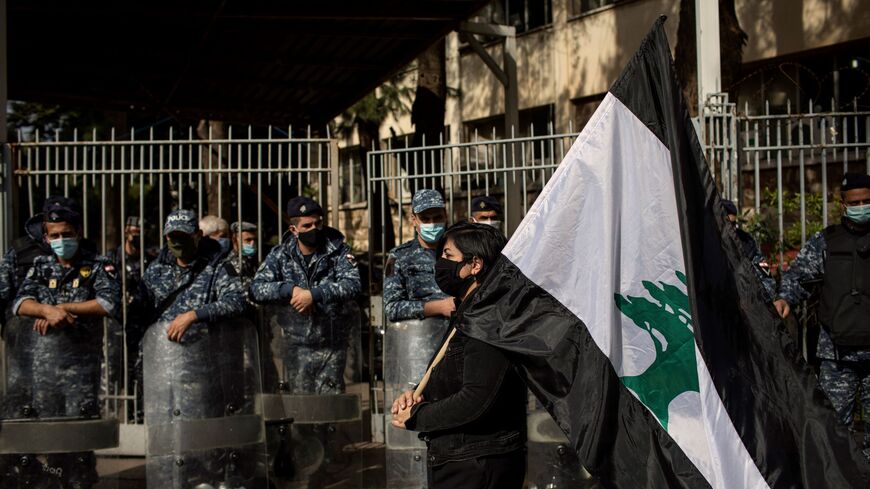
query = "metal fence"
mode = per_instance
[
  {"x": 515, "y": 170},
  {"x": 239, "y": 177},
  {"x": 783, "y": 167}
]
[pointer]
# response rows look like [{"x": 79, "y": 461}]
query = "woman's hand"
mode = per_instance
[
  {"x": 400, "y": 417},
  {"x": 405, "y": 400},
  {"x": 401, "y": 409}
]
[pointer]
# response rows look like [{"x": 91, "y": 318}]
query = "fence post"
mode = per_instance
[
  {"x": 335, "y": 187},
  {"x": 6, "y": 217}
]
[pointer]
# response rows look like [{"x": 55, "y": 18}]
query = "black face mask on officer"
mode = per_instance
[
  {"x": 182, "y": 246},
  {"x": 447, "y": 277},
  {"x": 311, "y": 239}
]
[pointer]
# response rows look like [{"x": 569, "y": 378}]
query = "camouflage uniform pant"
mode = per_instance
[
  {"x": 201, "y": 380},
  {"x": 53, "y": 378},
  {"x": 841, "y": 382},
  {"x": 314, "y": 370}
]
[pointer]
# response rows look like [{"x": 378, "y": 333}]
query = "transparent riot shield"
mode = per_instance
[
  {"x": 551, "y": 462},
  {"x": 202, "y": 415},
  {"x": 50, "y": 416},
  {"x": 408, "y": 347},
  {"x": 314, "y": 410}
]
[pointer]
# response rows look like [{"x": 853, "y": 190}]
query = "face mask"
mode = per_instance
[
  {"x": 249, "y": 250},
  {"x": 64, "y": 247},
  {"x": 431, "y": 233},
  {"x": 184, "y": 248},
  {"x": 311, "y": 239},
  {"x": 859, "y": 214},
  {"x": 447, "y": 277},
  {"x": 225, "y": 244},
  {"x": 495, "y": 224},
  {"x": 134, "y": 241}
]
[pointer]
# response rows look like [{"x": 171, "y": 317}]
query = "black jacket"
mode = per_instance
[{"x": 474, "y": 404}]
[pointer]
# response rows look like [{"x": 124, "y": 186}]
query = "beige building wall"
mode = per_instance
[{"x": 782, "y": 27}]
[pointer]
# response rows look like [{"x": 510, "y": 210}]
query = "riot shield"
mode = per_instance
[
  {"x": 204, "y": 424},
  {"x": 408, "y": 347},
  {"x": 551, "y": 462},
  {"x": 50, "y": 410},
  {"x": 314, "y": 410}
]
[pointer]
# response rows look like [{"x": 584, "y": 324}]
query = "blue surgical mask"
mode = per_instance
[
  {"x": 64, "y": 247},
  {"x": 225, "y": 244},
  {"x": 431, "y": 233},
  {"x": 859, "y": 214},
  {"x": 249, "y": 250}
]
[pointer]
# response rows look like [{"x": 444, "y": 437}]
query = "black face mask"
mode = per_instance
[
  {"x": 184, "y": 248},
  {"x": 448, "y": 280},
  {"x": 311, "y": 239}
]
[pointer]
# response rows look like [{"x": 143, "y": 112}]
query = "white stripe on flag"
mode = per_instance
[{"x": 605, "y": 222}]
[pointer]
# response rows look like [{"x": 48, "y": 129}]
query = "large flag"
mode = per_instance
[{"x": 626, "y": 303}]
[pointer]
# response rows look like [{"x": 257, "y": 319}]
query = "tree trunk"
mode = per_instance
[
  {"x": 213, "y": 156},
  {"x": 427, "y": 113},
  {"x": 732, "y": 39}
]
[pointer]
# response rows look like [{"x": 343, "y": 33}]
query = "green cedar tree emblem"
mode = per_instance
[{"x": 668, "y": 322}]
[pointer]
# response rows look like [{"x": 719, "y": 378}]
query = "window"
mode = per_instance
[
  {"x": 524, "y": 15},
  {"x": 579, "y": 7},
  {"x": 351, "y": 174}
]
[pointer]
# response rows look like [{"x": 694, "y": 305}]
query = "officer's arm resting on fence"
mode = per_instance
[
  {"x": 346, "y": 285},
  {"x": 269, "y": 284},
  {"x": 484, "y": 370},
  {"x": 807, "y": 266},
  {"x": 229, "y": 297},
  {"x": 398, "y": 304}
]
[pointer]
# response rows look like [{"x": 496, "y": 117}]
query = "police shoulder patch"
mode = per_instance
[
  {"x": 85, "y": 271},
  {"x": 390, "y": 267}
]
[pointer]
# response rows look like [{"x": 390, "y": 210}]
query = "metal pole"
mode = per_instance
[
  {"x": 335, "y": 188},
  {"x": 6, "y": 216},
  {"x": 708, "y": 51}
]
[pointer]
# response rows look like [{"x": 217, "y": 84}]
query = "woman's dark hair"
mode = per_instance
[{"x": 472, "y": 239}]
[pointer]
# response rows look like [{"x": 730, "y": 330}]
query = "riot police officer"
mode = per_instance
[
  {"x": 189, "y": 292},
  {"x": 749, "y": 248},
  {"x": 216, "y": 228},
  {"x": 486, "y": 210},
  {"x": 20, "y": 256},
  {"x": 418, "y": 312},
  {"x": 314, "y": 272},
  {"x": 128, "y": 257},
  {"x": 410, "y": 291},
  {"x": 244, "y": 238},
  {"x": 67, "y": 294},
  {"x": 839, "y": 256}
]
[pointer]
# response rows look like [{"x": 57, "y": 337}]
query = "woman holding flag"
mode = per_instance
[{"x": 470, "y": 406}]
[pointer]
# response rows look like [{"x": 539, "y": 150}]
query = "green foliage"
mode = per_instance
[
  {"x": 29, "y": 117},
  {"x": 392, "y": 97},
  {"x": 764, "y": 225}
]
